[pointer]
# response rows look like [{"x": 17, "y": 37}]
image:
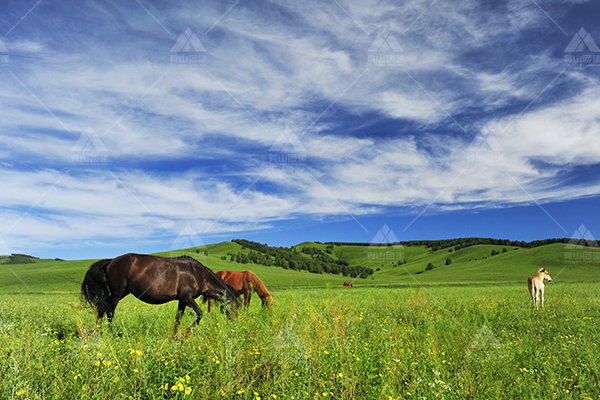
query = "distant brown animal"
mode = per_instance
[
  {"x": 348, "y": 284},
  {"x": 154, "y": 280},
  {"x": 535, "y": 284},
  {"x": 243, "y": 283}
]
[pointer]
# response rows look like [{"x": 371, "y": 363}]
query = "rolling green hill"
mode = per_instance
[
  {"x": 473, "y": 264},
  {"x": 470, "y": 265}
]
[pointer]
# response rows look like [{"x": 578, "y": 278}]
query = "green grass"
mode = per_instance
[
  {"x": 359, "y": 343},
  {"x": 418, "y": 335},
  {"x": 43, "y": 276}
]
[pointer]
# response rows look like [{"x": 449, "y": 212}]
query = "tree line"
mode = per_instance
[
  {"x": 460, "y": 243},
  {"x": 319, "y": 261}
]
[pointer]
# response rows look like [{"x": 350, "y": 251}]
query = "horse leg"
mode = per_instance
[
  {"x": 98, "y": 323},
  {"x": 530, "y": 290},
  {"x": 542, "y": 290},
  {"x": 210, "y": 301},
  {"x": 180, "y": 311},
  {"x": 114, "y": 301},
  {"x": 191, "y": 303},
  {"x": 110, "y": 314},
  {"x": 247, "y": 295}
]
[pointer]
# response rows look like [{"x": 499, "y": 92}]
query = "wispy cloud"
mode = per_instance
[{"x": 187, "y": 143}]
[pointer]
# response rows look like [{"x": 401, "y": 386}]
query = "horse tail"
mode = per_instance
[
  {"x": 94, "y": 289},
  {"x": 259, "y": 287}
]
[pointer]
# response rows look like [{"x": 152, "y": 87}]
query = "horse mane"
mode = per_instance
[
  {"x": 185, "y": 257},
  {"x": 230, "y": 292},
  {"x": 259, "y": 287}
]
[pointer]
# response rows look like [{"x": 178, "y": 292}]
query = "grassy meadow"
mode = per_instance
[
  {"x": 365, "y": 343},
  {"x": 406, "y": 334}
]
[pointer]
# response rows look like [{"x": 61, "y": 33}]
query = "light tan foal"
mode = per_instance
[{"x": 536, "y": 286}]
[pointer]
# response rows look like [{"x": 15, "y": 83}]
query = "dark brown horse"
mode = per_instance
[
  {"x": 243, "y": 282},
  {"x": 154, "y": 280}
]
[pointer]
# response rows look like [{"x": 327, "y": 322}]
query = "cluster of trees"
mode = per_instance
[
  {"x": 496, "y": 252},
  {"x": 315, "y": 251},
  {"x": 460, "y": 243},
  {"x": 319, "y": 261},
  {"x": 400, "y": 262},
  {"x": 252, "y": 257},
  {"x": 430, "y": 266}
]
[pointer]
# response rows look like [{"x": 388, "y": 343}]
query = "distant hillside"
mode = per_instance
[
  {"x": 396, "y": 265},
  {"x": 16, "y": 258}
]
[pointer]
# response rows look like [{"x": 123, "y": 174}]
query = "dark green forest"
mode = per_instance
[
  {"x": 318, "y": 262},
  {"x": 461, "y": 243}
]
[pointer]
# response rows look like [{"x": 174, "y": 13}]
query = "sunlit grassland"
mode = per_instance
[
  {"x": 472, "y": 265},
  {"x": 366, "y": 343}
]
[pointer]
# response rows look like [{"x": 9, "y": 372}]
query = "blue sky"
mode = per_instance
[{"x": 128, "y": 125}]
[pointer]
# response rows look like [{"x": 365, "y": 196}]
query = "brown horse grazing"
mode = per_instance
[
  {"x": 241, "y": 282},
  {"x": 154, "y": 280},
  {"x": 348, "y": 284}
]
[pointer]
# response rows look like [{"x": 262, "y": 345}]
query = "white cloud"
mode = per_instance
[
  {"x": 73, "y": 205},
  {"x": 399, "y": 105},
  {"x": 564, "y": 133},
  {"x": 276, "y": 68}
]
